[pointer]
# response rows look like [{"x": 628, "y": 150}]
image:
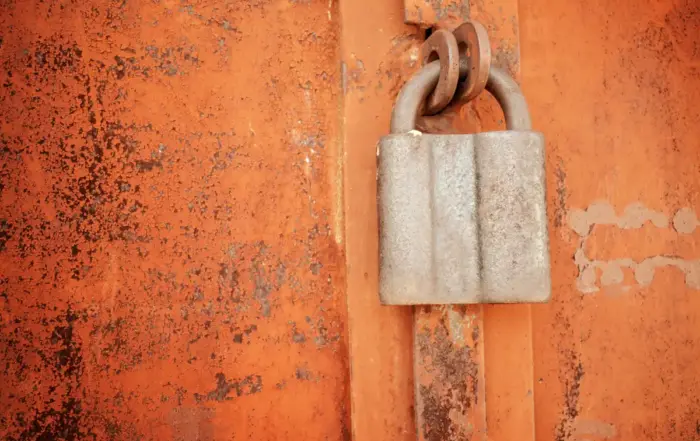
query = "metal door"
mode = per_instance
[
  {"x": 188, "y": 236},
  {"x": 612, "y": 86}
]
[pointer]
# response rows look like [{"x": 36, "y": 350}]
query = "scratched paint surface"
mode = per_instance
[
  {"x": 170, "y": 258},
  {"x": 449, "y": 373},
  {"x": 615, "y": 87},
  {"x": 428, "y": 13}
]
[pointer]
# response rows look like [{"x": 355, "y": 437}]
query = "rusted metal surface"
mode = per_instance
[
  {"x": 465, "y": 55},
  {"x": 442, "y": 45},
  {"x": 615, "y": 358},
  {"x": 448, "y": 349},
  {"x": 501, "y": 86},
  {"x": 473, "y": 41},
  {"x": 171, "y": 252},
  {"x": 443, "y": 13},
  {"x": 616, "y": 351},
  {"x": 411, "y": 110}
]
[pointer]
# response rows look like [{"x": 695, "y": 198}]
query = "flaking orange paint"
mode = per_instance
[
  {"x": 170, "y": 265},
  {"x": 614, "y": 86},
  {"x": 174, "y": 223}
]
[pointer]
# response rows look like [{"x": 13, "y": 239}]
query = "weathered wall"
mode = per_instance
[
  {"x": 378, "y": 52},
  {"x": 615, "y": 87},
  {"x": 170, "y": 230}
]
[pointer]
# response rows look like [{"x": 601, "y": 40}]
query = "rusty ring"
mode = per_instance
[
  {"x": 499, "y": 84},
  {"x": 474, "y": 66},
  {"x": 443, "y": 44}
]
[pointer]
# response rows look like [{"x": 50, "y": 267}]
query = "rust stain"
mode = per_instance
[
  {"x": 228, "y": 390},
  {"x": 449, "y": 373},
  {"x": 446, "y": 14},
  {"x": 160, "y": 225},
  {"x": 570, "y": 378},
  {"x": 562, "y": 194}
]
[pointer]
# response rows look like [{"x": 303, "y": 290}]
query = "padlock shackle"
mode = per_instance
[
  {"x": 500, "y": 85},
  {"x": 512, "y": 101}
]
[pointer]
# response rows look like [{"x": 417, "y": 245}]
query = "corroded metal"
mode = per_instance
[
  {"x": 475, "y": 58},
  {"x": 171, "y": 258},
  {"x": 442, "y": 45},
  {"x": 464, "y": 54},
  {"x": 449, "y": 383},
  {"x": 444, "y": 13},
  {"x": 616, "y": 351}
]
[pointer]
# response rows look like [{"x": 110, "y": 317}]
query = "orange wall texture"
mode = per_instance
[
  {"x": 615, "y": 87},
  {"x": 172, "y": 267},
  {"x": 182, "y": 257}
]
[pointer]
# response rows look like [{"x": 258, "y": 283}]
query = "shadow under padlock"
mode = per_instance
[{"x": 462, "y": 217}]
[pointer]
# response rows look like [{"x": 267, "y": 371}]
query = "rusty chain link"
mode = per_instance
[
  {"x": 475, "y": 59},
  {"x": 442, "y": 46},
  {"x": 464, "y": 57}
]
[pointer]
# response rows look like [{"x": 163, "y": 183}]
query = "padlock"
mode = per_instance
[{"x": 462, "y": 218}]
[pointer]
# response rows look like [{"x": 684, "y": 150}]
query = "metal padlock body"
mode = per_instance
[{"x": 462, "y": 217}]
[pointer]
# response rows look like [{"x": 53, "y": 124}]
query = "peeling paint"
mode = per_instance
[
  {"x": 685, "y": 221},
  {"x": 602, "y": 213},
  {"x": 156, "y": 231},
  {"x": 449, "y": 374},
  {"x": 228, "y": 390},
  {"x": 615, "y": 350},
  {"x": 644, "y": 271},
  {"x": 634, "y": 216}
]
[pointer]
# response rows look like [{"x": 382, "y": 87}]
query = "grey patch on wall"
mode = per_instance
[{"x": 635, "y": 215}]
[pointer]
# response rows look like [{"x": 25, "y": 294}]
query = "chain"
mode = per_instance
[{"x": 464, "y": 56}]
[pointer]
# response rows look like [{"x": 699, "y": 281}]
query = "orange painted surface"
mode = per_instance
[
  {"x": 615, "y": 86},
  {"x": 378, "y": 52},
  {"x": 172, "y": 265},
  {"x": 507, "y": 328},
  {"x": 188, "y": 245}
]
